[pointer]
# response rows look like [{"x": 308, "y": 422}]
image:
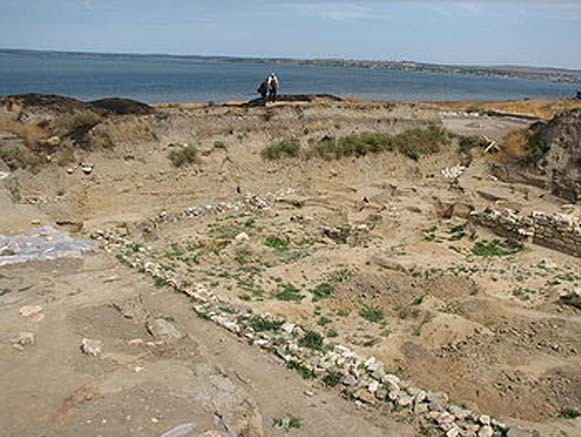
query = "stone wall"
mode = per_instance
[
  {"x": 556, "y": 231},
  {"x": 361, "y": 379}
]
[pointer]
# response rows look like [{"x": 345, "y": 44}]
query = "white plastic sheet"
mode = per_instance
[{"x": 41, "y": 244}]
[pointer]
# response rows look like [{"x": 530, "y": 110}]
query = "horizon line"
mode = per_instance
[{"x": 279, "y": 58}]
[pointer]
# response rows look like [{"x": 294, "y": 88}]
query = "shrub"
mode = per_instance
[
  {"x": 352, "y": 145},
  {"x": 260, "y": 324},
  {"x": 410, "y": 151},
  {"x": 536, "y": 148},
  {"x": 413, "y": 143},
  {"x": 570, "y": 413},
  {"x": 183, "y": 155},
  {"x": 332, "y": 379},
  {"x": 287, "y": 423},
  {"x": 289, "y": 293},
  {"x": 31, "y": 134},
  {"x": 467, "y": 143},
  {"x": 277, "y": 243},
  {"x": 76, "y": 122},
  {"x": 322, "y": 291},
  {"x": 284, "y": 149},
  {"x": 302, "y": 370},
  {"x": 18, "y": 157},
  {"x": 514, "y": 145},
  {"x": 418, "y": 142},
  {"x": 373, "y": 315},
  {"x": 312, "y": 340}
]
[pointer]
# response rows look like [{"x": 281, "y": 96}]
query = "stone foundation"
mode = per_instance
[{"x": 556, "y": 231}]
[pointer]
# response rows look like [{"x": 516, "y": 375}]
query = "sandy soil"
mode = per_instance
[{"x": 488, "y": 331}]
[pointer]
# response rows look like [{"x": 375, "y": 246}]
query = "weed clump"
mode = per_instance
[
  {"x": 283, "y": 149},
  {"x": 277, "y": 243},
  {"x": 322, "y": 291},
  {"x": 570, "y": 413},
  {"x": 467, "y": 143},
  {"x": 260, "y": 324},
  {"x": 301, "y": 369},
  {"x": 289, "y": 293},
  {"x": 373, "y": 315},
  {"x": 495, "y": 248},
  {"x": 184, "y": 155},
  {"x": 413, "y": 143},
  {"x": 17, "y": 157},
  {"x": 287, "y": 423},
  {"x": 332, "y": 379},
  {"x": 312, "y": 340}
]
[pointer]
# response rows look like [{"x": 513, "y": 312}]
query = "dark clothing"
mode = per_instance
[
  {"x": 272, "y": 94},
  {"x": 263, "y": 90}
]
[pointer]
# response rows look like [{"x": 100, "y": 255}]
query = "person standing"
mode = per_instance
[
  {"x": 273, "y": 86},
  {"x": 264, "y": 90}
]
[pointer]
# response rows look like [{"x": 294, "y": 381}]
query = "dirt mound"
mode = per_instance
[
  {"x": 552, "y": 159},
  {"x": 561, "y": 139},
  {"x": 307, "y": 98},
  {"x": 46, "y": 102},
  {"x": 123, "y": 106}
]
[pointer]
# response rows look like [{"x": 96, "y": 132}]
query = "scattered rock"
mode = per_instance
[
  {"x": 486, "y": 431},
  {"x": 572, "y": 298},
  {"x": 161, "y": 329},
  {"x": 92, "y": 347},
  {"x": 547, "y": 264},
  {"x": 30, "y": 310},
  {"x": 24, "y": 338},
  {"x": 87, "y": 168},
  {"x": 349, "y": 380},
  {"x": 242, "y": 236},
  {"x": 453, "y": 172}
]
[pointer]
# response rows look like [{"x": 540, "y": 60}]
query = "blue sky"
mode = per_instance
[{"x": 525, "y": 32}]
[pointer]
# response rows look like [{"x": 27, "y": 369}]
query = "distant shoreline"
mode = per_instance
[{"x": 548, "y": 74}]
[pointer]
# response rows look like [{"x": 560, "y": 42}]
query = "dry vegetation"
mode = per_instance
[
  {"x": 414, "y": 143},
  {"x": 128, "y": 129},
  {"x": 30, "y": 133},
  {"x": 543, "y": 109},
  {"x": 183, "y": 155}
]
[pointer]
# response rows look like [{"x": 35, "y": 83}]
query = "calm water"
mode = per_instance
[{"x": 184, "y": 80}]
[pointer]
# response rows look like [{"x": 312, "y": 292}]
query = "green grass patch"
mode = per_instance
[
  {"x": 287, "y": 423},
  {"x": 332, "y": 379},
  {"x": 283, "y": 149},
  {"x": 289, "y": 293},
  {"x": 570, "y": 413},
  {"x": 301, "y": 369},
  {"x": 160, "y": 282},
  {"x": 277, "y": 243},
  {"x": 373, "y": 315},
  {"x": 260, "y": 324},
  {"x": 322, "y": 291},
  {"x": 331, "y": 333},
  {"x": 495, "y": 248},
  {"x": 312, "y": 340}
]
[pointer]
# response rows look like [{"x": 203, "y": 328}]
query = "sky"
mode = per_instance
[{"x": 485, "y": 32}]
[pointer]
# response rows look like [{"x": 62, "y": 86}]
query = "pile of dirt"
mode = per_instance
[
  {"x": 123, "y": 106},
  {"x": 306, "y": 98},
  {"x": 38, "y": 107}
]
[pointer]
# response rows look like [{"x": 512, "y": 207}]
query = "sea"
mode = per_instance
[{"x": 176, "y": 80}]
